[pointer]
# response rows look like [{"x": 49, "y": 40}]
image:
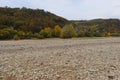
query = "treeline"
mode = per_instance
[
  {"x": 103, "y": 25},
  {"x": 68, "y": 31}
]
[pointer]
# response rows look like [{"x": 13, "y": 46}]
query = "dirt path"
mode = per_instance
[{"x": 59, "y": 59}]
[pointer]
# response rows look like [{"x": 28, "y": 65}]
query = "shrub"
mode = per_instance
[
  {"x": 16, "y": 37},
  {"x": 29, "y": 35},
  {"x": 7, "y": 33},
  {"x": 68, "y": 31},
  {"x": 57, "y": 31},
  {"x": 46, "y": 33},
  {"x": 115, "y": 34},
  {"x": 21, "y": 34},
  {"x": 108, "y": 34},
  {"x": 43, "y": 34},
  {"x": 38, "y": 36}
]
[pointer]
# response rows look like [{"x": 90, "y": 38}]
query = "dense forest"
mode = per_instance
[
  {"x": 28, "y": 19},
  {"x": 25, "y": 23},
  {"x": 111, "y": 26}
]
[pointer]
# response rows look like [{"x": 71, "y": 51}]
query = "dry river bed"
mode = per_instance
[{"x": 60, "y": 59}]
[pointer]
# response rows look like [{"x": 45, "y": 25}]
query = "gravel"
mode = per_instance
[{"x": 60, "y": 59}]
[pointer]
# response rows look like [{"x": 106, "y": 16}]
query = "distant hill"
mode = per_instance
[
  {"x": 24, "y": 23},
  {"x": 29, "y": 19},
  {"x": 109, "y": 25}
]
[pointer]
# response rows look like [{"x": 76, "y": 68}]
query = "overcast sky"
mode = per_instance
[{"x": 72, "y": 9}]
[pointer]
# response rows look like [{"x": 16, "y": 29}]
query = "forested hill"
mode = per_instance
[
  {"x": 29, "y": 19},
  {"x": 24, "y": 23},
  {"x": 109, "y": 25}
]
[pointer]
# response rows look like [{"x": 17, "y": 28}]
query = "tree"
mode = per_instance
[
  {"x": 68, "y": 31},
  {"x": 57, "y": 31},
  {"x": 81, "y": 31},
  {"x": 46, "y": 33},
  {"x": 108, "y": 34},
  {"x": 25, "y": 19}
]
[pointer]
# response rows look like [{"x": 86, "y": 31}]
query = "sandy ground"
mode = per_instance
[{"x": 60, "y": 59}]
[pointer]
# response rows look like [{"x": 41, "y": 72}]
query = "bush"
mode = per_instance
[
  {"x": 38, "y": 36},
  {"x": 29, "y": 35},
  {"x": 21, "y": 34},
  {"x": 46, "y": 33},
  {"x": 108, "y": 34},
  {"x": 7, "y": 33},
  {"x": 68, "y": 31},
  {"x": 89, "y": 31},
  {"x": 115, "y": 34},
  {"x": 16, "y": 37},
  {"x": 42, "y": 33}
]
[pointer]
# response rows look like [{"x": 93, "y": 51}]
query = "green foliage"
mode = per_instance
[
  {"x": 115, "y": 34},
  {"x": 28, "y": 19},
  {"x": 7, "y": 33},
  {"x": 104, "y": 25},
  {"x": 16, "y": 23},
  {"x": 90, "y": 31},
  {"x": 21, "y": 34},
  {"x": 38, "y": 36},
  {"x": 29, "y": 35},
  {"x": 68, "y": 31}
]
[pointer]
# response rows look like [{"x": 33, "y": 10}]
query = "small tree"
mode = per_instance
[
  {"x": 108, "y": 34},
  {"x": 81, "y": 31},
  {"x": 29, "y": 35},
  {"x": 16, "y": 37},
  {"x": 47, "y": 32},
  {"x": 21, "y": 34},
  {"x": 68, "y": 31},
  {"x": 38, "y": 36},
  {"x": 57, "y": 31}
]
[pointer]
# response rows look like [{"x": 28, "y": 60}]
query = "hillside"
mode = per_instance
[
  {"x": 24, "y": 23},
  {"x": 28, "y": 19},
  {"x": 108, "y": 25}
]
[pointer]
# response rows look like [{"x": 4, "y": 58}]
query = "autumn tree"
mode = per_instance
[
  {"x": 108, "y": 34},
  {"x": 68, "y": 31},
  {"x": 57, "y": 31},
  {"x": 46, "y": 33}
]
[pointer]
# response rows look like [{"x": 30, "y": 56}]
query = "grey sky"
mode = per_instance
[{"x": 72, "y": 9}]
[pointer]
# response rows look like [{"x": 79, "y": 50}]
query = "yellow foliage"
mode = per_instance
[
  {"x": 108, "y": 34},
  {"x": 103, "y": 35},
  {"x": 47, "y": 30},
  {"x": 57, "y": 30}
]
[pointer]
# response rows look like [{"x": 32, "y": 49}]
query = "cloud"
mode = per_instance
[{"x": 72, "y": 9}]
